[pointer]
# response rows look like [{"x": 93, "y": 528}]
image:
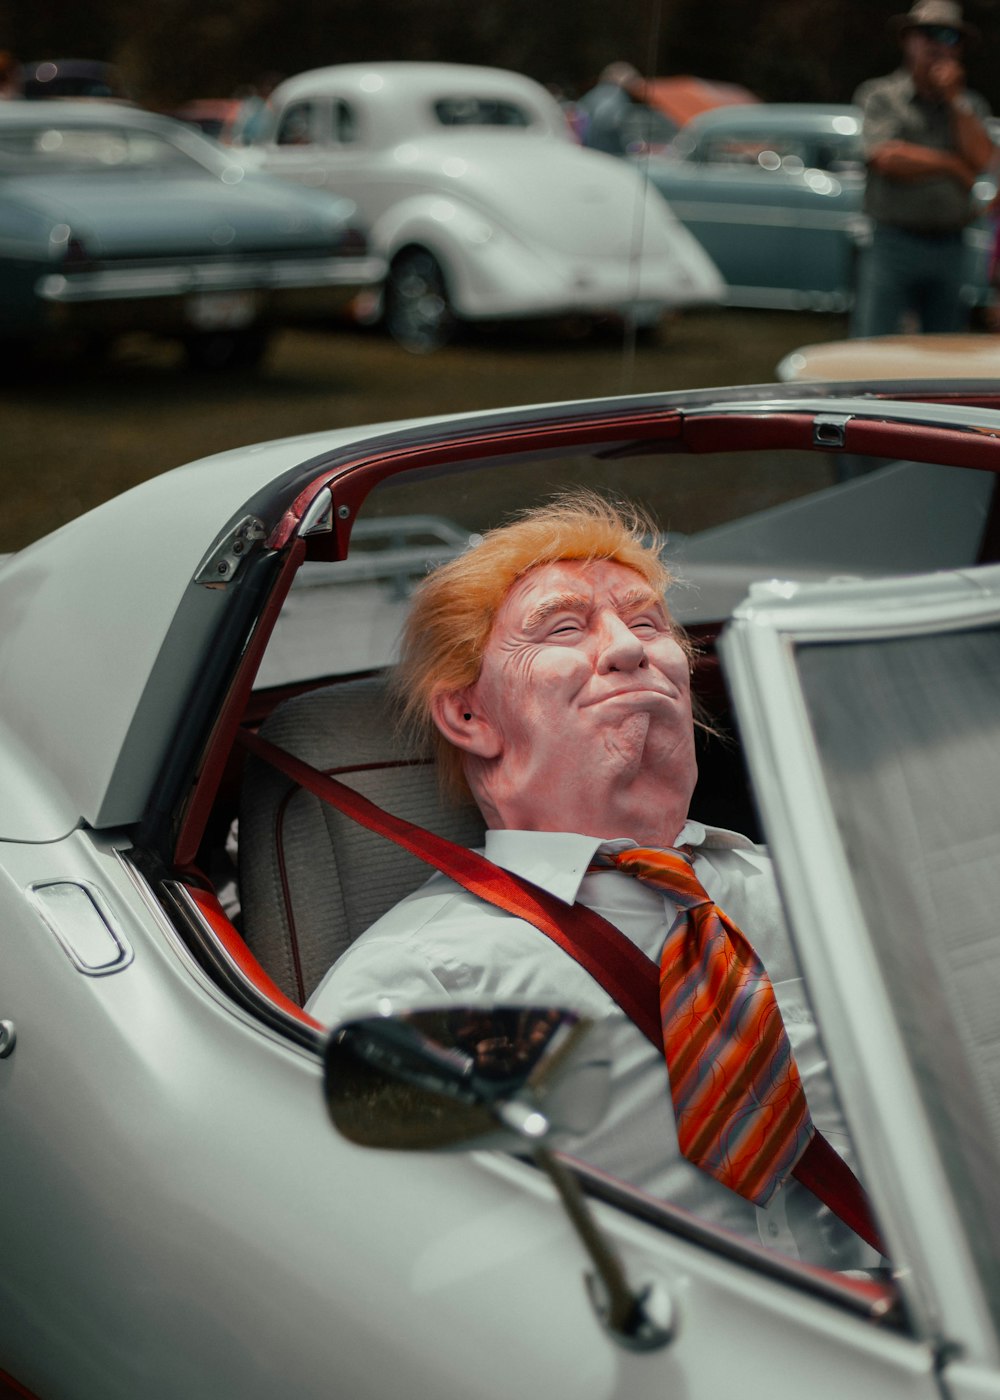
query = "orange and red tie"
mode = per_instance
[{"x": 741, "y": 1111}]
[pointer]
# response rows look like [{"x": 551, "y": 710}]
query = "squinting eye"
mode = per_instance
[{"x": 643, "y": 624}]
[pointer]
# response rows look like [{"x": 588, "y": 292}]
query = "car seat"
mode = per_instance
[{"x": 311, "y": 879}]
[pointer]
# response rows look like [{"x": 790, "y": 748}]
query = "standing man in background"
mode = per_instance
[
  {"x": 605, "y": 109},
  {"x": 925, "y": 147}
]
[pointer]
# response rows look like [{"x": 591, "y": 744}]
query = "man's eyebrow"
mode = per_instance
[
  {"x": 557, "y": 603},
  {"x": 631, "y": 599},
  {"x": 638, "y": 598}
]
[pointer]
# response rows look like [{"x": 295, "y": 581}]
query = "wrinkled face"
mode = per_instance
[{"x": 584, "y": 684}]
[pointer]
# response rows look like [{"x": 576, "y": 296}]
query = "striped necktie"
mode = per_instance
[{"x": 738, "y": 1100}]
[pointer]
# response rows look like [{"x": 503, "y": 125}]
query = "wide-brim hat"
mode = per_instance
[{"x": 944, "y": 12}]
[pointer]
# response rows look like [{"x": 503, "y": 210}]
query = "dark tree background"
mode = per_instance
[{"x": 783, "y": 50}]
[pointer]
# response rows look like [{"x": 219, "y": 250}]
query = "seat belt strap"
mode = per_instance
[
  {"x": 629, "y": 977},
  {"x": 610, "y": 958}
]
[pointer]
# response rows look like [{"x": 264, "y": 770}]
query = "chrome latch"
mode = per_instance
[
  {"x": 830, "y": 429},
  {"x": 318, "y": 519},
  {"x": 224, "y": 559}
]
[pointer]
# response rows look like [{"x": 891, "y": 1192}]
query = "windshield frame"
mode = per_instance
[{"x": 912, "y": 1192}]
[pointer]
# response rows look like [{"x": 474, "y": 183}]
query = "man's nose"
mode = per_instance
[{"x": 620, "y": 648}]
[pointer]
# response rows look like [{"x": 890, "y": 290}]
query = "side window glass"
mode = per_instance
[
  {"x": 742, "y": 151},
  {"x": 296, "y": 125},
  {"x": 346, "y": 128},
  {"x": 765, "y": 152},
  {"x": 480, "y": 111}
]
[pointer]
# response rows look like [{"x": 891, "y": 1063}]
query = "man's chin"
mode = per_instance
[{"x": 623, "y": 744}]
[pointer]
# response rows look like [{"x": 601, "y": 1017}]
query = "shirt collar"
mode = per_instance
[{"x": 557, "y": 861}]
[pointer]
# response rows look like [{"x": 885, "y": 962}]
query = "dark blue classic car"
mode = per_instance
[
  {"x": 774, "y": 194},
  {"x": 113, "y": 219}
]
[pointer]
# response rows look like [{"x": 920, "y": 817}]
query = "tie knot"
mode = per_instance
[{"x": 667, "y": 870}]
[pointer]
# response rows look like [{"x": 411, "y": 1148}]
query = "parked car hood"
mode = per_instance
[
  {"x": 172, "y": 212},
  {"x": 582, "y": 202}
]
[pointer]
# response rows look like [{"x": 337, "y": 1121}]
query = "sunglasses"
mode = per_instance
[{"x": 941, "y": 34}]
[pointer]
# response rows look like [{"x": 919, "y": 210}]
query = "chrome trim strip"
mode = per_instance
[
  {"x": 956, "y": 416},
  {"x": 877, "y": 1301},
  {"x": 206, "y": 982},
  {"x": 233, "y": 979},
  {"x": 114, "y": 283},
  {"x": 772, "y": 216}
]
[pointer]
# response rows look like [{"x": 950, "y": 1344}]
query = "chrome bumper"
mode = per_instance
[{"x": 127, "y": 284}]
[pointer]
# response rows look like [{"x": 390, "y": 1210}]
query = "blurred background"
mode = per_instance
[
  {"x": 77, "y": 430},
  {"x": 782, "y": 50}
]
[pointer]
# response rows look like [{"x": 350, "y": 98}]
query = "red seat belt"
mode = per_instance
[{"x": 629, "y": 977}]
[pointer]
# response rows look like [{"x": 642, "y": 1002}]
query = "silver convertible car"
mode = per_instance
[
  {"x": 113, "y": 219},
  {"x": 209, "y": 1194},
  {"x": 480, "y": 200}
]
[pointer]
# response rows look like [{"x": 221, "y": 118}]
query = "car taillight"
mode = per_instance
[{"x": 352, "y": 243}]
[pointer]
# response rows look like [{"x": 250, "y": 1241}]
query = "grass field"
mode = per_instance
[{"x": 76, "y": 433}]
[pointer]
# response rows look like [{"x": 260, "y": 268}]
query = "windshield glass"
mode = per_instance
[
  {"x": 908, "y": 731},
  {"x": 50, "y": 147}
]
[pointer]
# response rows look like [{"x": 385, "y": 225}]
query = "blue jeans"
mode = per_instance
[{"x": 904, "y": 272}]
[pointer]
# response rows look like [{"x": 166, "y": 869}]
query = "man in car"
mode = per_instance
[
  {"x": 545, "y": 667},
  {"x": 925, "y": 146}
]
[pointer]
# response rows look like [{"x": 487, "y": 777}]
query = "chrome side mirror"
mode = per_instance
[
  {"x": 511, "y": 1077},
  {"x": 466, "y": 1078}
]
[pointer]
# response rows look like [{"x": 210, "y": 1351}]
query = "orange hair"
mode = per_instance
[{"x": 454, "y": 608}]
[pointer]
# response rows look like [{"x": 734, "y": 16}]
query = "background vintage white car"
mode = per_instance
[{"x": 474, "y": 189}]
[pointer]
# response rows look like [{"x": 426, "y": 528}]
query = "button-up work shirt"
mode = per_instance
[
  {"x": 442, "y": 944},
  {"x": 892, "y": 111}
]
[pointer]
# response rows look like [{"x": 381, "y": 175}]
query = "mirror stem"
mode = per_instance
[{"x": 626, "y": 1315}]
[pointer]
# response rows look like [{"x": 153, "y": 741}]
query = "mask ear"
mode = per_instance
[{"x": 456, "y": 716}]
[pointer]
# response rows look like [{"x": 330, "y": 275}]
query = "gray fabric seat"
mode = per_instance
[{"x": 311, "y": 879}]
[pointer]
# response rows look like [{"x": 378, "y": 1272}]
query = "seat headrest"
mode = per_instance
[{"x": 312, "y": 879}]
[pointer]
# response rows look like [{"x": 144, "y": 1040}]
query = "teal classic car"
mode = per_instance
[
  {"x": 113, "y": 219},
  {"x": 774, "y": 192}
]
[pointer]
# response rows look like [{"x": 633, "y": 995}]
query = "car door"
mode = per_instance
[
  {"x": 738, "y": 1319},
  {"x": 870, "y": 719},
  {"x": 181, "y": 1219}
]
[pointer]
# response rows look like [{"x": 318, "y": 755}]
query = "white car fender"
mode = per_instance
[{"x": 447, "y": 227}]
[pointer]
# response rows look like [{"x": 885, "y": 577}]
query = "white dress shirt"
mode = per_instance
[{"x": 442, "y": 944}]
